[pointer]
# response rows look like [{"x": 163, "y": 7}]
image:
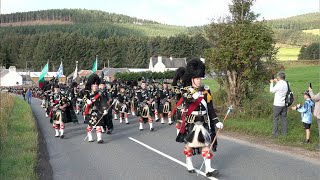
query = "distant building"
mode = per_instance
[
  {"x": 10, "y": 77},
  {"x": 162, "y": 64},
  {"x": 34, "y": 76},
  {"x": 109, "y": 73}
]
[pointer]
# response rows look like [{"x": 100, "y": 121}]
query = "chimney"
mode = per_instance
[
  {"x": 12, "y": 69},
  {"x": 171, "y": 58},
  {"x": 160, "y": 59}
]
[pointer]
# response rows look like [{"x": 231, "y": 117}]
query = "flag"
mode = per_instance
[
  {"x": 94, "y": 67},
  {"x": 60, "y": 71},
  {"x": 42, "y": 75},
  {"x": 75, "y": 74}
]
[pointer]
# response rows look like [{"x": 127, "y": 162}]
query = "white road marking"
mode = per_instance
[{"x": 169, "y": 157}]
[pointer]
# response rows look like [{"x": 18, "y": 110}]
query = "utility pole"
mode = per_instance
[
  {"x": 0, "y": 12},
  {"x": 108, "y": 64}
]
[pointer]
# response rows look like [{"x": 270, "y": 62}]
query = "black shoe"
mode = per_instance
[
  {"x": 152, "y": 129},
  {"x": 127, "y": 123},
  {"x": 57, "y": 136},
  {"x": 140, "y": 129},
  {"x": 214, "y": 173},
  {"x": 62, "y": 136},
  {"x": 274, "y": 136},
  {"x": 192, "y": 171},
  {"x": 306, "y": 142},
  {"x": 100, "y": 141},
  {"x": 90, "y": 141},
  {"x": 157, "y": 120},
  {"x": 108, "y": 132}
]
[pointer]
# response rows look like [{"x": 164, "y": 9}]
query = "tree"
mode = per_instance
[
  {"x": 310, "y": 52},
  {"x": 243, "y": 50}
]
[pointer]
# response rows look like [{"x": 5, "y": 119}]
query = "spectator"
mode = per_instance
[
  {"x": 24, "y": 93},
  {"x": 29, "y": 95},
  {"x": 279, "y": 107},
  {"x": 316, "y": 113},
  {"x": 306, "y": 114}
]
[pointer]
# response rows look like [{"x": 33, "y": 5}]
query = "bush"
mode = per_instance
[
  {"x": 147, "y": 75},
  {"x": 310, "y": 52}
]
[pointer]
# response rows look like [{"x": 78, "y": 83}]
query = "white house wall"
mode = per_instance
[
  {"x": 11, "y": 79},
  {"x": 159, "y": 67}
]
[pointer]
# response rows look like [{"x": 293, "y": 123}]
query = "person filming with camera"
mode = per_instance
[{"x": 280, "y": 109}]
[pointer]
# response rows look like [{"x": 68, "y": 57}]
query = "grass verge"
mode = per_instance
[{"x": 19, "y": 141}]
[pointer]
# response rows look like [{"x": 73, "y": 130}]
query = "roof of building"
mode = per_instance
[
  {"x": 3, "y": 72},
  {"x": 112, "y": 71},
  {"x": 82, "y": 73},
  {"x": 37, "y": 74},
  {"x": 26, "y": 78}
]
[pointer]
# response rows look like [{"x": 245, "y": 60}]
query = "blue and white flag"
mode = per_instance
[{"x": 60, "y": 71}]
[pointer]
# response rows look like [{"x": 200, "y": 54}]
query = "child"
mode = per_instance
[{"x": 306, "y": 114}]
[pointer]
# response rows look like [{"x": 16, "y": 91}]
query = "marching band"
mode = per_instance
[{"x": 187, "y": 103}]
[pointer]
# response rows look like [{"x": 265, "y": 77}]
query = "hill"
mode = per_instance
[
  {"x": 293, "y": 30},
  {"x": 32, "y": 38},
  {"x": 299, "y": 22},
  {"x": 95, "y": 23}
]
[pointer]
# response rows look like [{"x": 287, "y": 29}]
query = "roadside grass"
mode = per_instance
[
  {"x": 19, "y": 141},
  {"x": 256, "y": 118},
  {"x": 313, "y": 31}
]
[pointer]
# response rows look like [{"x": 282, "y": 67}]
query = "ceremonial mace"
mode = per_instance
[
  {"x": 215, "y": 137},
  {"x": 100, "y": 119}
]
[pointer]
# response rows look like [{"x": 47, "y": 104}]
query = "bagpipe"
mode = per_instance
[
  {"x": 166, "y": 105},
  {"x": 144, "y": 109}
]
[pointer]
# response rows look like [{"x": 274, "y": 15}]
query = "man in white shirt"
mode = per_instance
[{"x": 279, "y": 106}]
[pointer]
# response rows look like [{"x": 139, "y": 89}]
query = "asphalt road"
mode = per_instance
[{"x": 132, "y": 154}]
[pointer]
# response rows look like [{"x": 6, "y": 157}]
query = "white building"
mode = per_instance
[
  {"x": 10, "y": 77},
  {"x": 162, "y": 64}
]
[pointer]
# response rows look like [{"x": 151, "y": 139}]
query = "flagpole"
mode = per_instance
[
  {"x": 76, "y": 72},
  {"x": 97, "y": 61}
]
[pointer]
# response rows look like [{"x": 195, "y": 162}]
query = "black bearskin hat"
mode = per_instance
[
  {"x": 74, "y": 84},
  {"x": 179, "y": 73},
  {"x": 93, "y": 79},
  {"x": 195, "y": 69},
  {"x": 103, "y": 81},
  {"x": 134, "y": 83},
  {"x": 128, "y": 83},
  {"x": 56, "y": 85}
]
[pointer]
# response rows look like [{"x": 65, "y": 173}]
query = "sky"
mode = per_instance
[{"x": 173, "y": 12}]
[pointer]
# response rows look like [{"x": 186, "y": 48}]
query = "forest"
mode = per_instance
[{"x": 30, "y": 39}]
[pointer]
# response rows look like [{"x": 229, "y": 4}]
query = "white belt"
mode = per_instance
[{"x": 199, "y": 113}]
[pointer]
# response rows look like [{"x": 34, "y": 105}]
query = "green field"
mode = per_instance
[
  {"x": 313, "y": 31},
  {"x": 288, "y": 53}
]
